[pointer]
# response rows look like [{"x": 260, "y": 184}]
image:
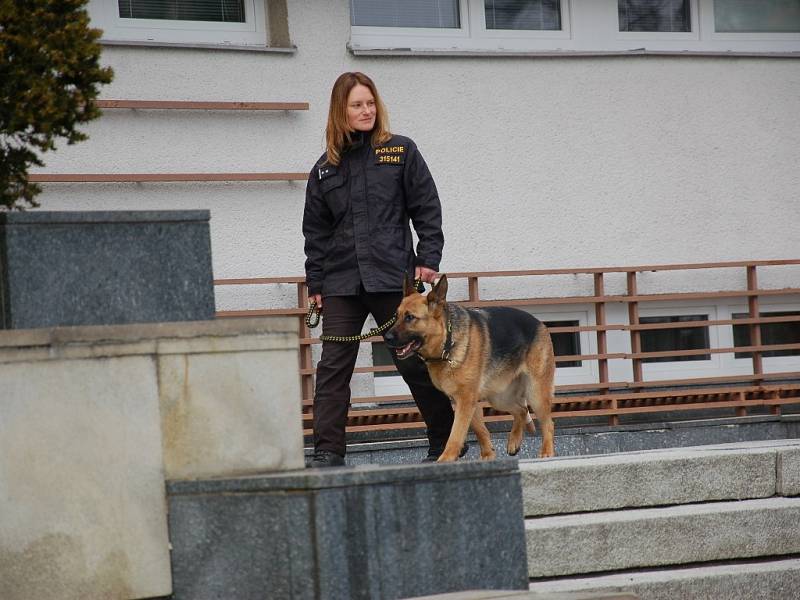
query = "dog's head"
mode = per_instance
[{"x": 418, "y": 328}]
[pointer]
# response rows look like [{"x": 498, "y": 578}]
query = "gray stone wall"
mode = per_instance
[
  {"x": 104, "y": 267},
  {"x": 367, "y": 532}
]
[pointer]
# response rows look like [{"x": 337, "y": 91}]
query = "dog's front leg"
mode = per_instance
[
  {"x": 483, "y": 435},
  {"x": 464, "y": 406}
]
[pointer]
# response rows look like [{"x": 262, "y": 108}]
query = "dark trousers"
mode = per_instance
[{"x": 345, "y": 315}]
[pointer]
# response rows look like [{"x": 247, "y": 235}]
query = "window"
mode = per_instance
[
  {"x": 411, "y": 13},
  {"x": 565, "y": 26},
  {"x": 544, "y": 15},
  {"x": 224, "y": 22},
  {"x": 566, "y": 343},
  {"x": 646, "y": 15},
  {"x": 772, "y": 334},
  {"x": 456, "y": 25},
  {"x": 674, "y": 339},
  {"x": 225, "y": 11},
  {"x": 756, "y": 16}
]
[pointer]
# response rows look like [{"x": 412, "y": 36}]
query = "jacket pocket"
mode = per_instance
[{"x": 334, "y": 191}]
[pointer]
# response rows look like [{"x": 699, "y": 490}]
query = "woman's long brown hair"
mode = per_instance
[{"x": 338, "y": 133}]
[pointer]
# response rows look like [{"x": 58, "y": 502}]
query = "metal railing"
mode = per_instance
[{"x": 601, "y": 397}]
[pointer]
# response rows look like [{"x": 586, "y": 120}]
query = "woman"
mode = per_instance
[{"x": 361, "y": 194}]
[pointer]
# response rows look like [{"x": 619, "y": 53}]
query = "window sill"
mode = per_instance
[
  {"x": 562, "y": 53},
  {"x": 199, "y": 46}
]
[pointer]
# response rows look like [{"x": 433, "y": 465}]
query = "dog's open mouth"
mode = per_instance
[{"x": 405, "y": 351}]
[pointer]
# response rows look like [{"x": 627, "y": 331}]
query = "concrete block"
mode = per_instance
[
  {"x": 765, "y": 580},
  {"x": 648, "y": 537},
  {"x": 82, "y": 507},
  {"x": 228, "y": 408},
  {"x": 90, "y": 416},
  {"x": 350, "y": 533},
  {"x": 566, "y": 485},
  {"x": 788, "y": 471},
  {"x": 95, "y": 267}
]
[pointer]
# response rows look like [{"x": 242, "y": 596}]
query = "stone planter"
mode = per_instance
[{"x": 99, "y": 268}]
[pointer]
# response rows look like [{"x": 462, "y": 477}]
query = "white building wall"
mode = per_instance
[{"x": 540, "y": 162}]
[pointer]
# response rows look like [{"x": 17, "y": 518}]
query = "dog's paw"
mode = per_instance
[{"x": 489, "y": 455}]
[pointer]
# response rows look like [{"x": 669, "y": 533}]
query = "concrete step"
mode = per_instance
[
  {"x": 651, "y": 537},
  {"x": 765, "y": 580},
  {"x": 661, "y": 477},
  {"x": 517, "y": 595}
]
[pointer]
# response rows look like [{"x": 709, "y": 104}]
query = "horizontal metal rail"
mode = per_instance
[
  {"x": 600, "y": 398},
  {"x": 195, "y": 105},
  {"x": 161, "y": 177}
]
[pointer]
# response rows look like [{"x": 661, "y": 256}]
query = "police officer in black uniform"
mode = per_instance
[{"x": 360, "y": 197}]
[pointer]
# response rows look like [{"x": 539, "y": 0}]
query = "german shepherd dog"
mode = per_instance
[{"x": 502, "y": 355}]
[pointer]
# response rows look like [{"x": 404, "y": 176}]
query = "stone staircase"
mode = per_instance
[{"x": 704, "y": 522}]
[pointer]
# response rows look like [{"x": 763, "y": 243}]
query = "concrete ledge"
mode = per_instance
[
  {"x": 651, "y": 537},
  {"x": 509, "y": 595},
  {"x": 766, "y": 580},
  {"x": 788, "y": 470},
  {"x": 103, "y": 341},
  {"x": 660, "y": 477},
  {"x": 349, "y": 533}
]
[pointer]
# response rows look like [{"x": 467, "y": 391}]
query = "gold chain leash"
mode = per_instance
[{"x": 312, "y": 320}]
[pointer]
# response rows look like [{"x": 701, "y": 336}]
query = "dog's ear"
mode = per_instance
[
  {"x": 408, "y": 285},
  {"x": 438, "y": 294}
]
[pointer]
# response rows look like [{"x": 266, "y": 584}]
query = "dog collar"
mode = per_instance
[
  {"x": 448, "y": 342},
  {"x": 446, "y": 348}
]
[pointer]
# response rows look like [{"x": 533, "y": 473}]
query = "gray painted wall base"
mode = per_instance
[
  {"x": 102, "y": 268},
  {"x": 352, "y": 533}
]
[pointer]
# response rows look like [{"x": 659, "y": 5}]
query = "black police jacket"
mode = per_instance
[{"x": 356, "y": 219}]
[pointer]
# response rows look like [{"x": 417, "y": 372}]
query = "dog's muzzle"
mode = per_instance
[{"x": 402, "y": 350}]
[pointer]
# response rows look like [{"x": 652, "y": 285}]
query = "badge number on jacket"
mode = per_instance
[{"x": 390, "y": 155}]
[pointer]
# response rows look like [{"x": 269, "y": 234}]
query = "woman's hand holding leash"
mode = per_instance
[{"x": 425, "y": 274}]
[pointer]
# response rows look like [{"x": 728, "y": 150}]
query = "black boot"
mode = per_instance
[
  {"x": 434, "y": 452},
  {"x": 326, "y": 458}
]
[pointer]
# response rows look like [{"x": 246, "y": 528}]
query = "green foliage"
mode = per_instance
[{"x": 49, "y": 77}]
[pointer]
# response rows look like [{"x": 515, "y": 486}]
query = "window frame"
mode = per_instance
[
  {"x": 253, "y": 32},
  {"x": 673, "y": 36},
  {"x": 473, "y": 33},
  {"x": 588, "y": 371},
  {"x": 676, "y": 369},
  {"x": 707, "y": 14},
  {"x": 770, "y": 364}
]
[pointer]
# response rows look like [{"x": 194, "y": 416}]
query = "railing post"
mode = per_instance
[
  {"x": 633, "y": 320},
  {"x": 306, "y": 381},
  {"x": 755, "y": 328},
  {"x": 602, "y": 346},
  {"x": 474, "y": 293}
]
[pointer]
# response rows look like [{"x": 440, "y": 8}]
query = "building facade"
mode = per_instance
[{"x": 560, "y": 133}]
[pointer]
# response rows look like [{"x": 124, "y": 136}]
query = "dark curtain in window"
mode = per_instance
[
  {"x": 225, "y": 11},
  {"x": 654, "y": 15},
  {"x": 671, "y": 340},
  {"x": 408, "y": 13},
  {"x": 566, "y": 343},
  {"x": 772, "y": 334},
  {"x": 536, "y": 15}
]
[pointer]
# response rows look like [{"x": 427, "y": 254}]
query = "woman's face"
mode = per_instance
[{"x": 360, "y": 109}]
